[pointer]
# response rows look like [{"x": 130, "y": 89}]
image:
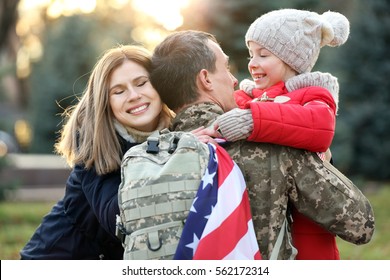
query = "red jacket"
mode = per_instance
[
  {"x": 312, "y": 241},
  {"x": 307, "y": 122},
  {"x": 304, "y": 119}
]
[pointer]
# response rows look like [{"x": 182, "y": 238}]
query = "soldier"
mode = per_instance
[{"x": 191, "y": 73}]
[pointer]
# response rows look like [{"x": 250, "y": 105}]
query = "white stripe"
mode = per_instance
[{"x": 246, "y": 248}]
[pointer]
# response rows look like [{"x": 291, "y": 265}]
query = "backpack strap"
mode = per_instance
[{"x": 279, "y": 241}]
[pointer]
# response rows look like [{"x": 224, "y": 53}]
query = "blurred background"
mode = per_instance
[{"x": 48, "y": 47}]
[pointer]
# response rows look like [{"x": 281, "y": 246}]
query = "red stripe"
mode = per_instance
[
  {"x": 225, "y": 164},
  {"x": 258, "y": 256},
  {"x": 220, "y": 242}
]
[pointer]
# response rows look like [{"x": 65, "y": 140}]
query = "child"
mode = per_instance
[{"x": 289, "y": 105}]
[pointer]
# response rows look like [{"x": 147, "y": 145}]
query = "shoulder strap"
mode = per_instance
[{"x": 279, "y": 241}]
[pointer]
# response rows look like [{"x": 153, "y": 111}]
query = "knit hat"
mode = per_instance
[{"x": 296, "y": 36}]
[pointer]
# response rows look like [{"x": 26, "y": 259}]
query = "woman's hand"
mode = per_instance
[{"x": 208, "y": 135}]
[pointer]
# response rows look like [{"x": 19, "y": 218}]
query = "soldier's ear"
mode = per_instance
[{"x": 204, "y": 80}]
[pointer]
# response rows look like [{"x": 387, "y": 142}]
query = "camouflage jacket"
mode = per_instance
[{"x": 278, "y": 175}]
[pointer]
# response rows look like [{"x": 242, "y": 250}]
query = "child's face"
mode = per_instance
[{"x": 265, "y": 68}]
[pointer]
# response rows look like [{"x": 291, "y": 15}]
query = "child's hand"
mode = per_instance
[
  {"x": 247, "y": 86},
  {"x": 236, "y": 124}
]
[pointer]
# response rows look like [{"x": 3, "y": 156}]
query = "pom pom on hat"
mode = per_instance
[
  {"x": 340, "y": 28},
  {"x": 296, "y": 36}
]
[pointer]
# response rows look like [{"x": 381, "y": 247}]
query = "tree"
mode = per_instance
[
  {"x": 362, "y": 141},
  {"x": 11, "y": 96},
  {"x": 59, "y": 76},
  {"x": 8, "y": 17},
  {"x": 72, "y": 46}
]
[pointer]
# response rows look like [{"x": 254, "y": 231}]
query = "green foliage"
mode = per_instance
[
  {"x": 363, "y": 127},
  {"x": 68, "y": 56},
  {"x": 72, "y": 46}
]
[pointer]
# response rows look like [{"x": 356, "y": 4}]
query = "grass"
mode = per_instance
[{"x": 19, "y": 220}]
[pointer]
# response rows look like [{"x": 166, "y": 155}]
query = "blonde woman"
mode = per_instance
[{"x": 119, "y": 109}]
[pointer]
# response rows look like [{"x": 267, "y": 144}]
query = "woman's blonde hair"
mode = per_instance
[{"x": 88, "y": 136}]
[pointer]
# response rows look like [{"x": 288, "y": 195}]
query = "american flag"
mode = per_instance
[{"x": 219, "y": 225}]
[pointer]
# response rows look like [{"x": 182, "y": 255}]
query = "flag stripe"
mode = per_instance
[
  {"x": 225, "y": 165},
  {"x": 246, "y": 248},
  {"x": 229, "y": 198},
  {"x": 229, "y": 231}
]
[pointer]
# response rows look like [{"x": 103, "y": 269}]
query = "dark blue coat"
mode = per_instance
[{"x": 82, "y": 224}]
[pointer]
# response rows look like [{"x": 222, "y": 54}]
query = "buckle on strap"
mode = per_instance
[
  {"x": 153, "y": 142},
  {"x": 120, "y": 230}
]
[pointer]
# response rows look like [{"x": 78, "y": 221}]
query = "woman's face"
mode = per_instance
[
  {"x": 133, "y": 100},
  {"x": 265, "y": 68}
]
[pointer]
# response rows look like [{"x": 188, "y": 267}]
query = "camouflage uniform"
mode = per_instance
[{"x": 279, "y": 175}]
